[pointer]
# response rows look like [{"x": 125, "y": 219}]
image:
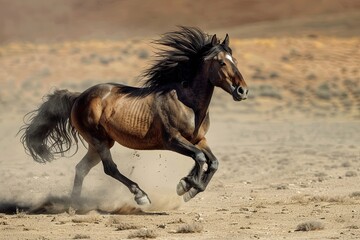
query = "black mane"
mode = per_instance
[{"x": 179, "y": 57}]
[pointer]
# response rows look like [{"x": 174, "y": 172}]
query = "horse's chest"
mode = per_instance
[
  {"x": 178, "y": 117},
  {"x": 185, "y": 122},
  {"x": 188, "y": 123}
]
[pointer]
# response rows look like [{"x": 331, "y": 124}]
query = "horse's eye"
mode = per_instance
[{"x": 222, "y": 63}]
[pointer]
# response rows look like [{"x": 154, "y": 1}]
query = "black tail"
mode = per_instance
[{"x": 47, "y": 130}]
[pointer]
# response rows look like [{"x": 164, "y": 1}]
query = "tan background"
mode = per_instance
[{"x": 289, "y": 154}]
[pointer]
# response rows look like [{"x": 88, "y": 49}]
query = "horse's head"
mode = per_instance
[{"x": 223, "y": 71}]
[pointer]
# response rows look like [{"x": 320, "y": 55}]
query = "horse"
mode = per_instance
[{"x": 170, "y": 111}]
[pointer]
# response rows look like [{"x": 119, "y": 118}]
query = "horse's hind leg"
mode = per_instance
[
  {"x": 111, "y": 169},
  {"x": 91, "y": 159}
]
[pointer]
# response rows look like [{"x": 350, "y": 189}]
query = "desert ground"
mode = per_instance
[{"x": 289, "y": 155}]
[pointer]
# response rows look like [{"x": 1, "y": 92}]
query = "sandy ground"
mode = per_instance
[
  {"x": 289, "y": 155},
  {"x": 273, "y": 176},
  {"x": 286, "y": 157}
]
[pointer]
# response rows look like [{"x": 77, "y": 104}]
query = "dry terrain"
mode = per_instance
[{"x": 289, "y": 155}]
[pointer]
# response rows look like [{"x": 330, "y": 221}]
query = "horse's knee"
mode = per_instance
[
  {"x": 200, "y": 157},
  {"x": 214, "y": 165}
]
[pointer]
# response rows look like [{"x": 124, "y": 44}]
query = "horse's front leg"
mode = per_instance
[
  {"x": 212, "y": 166},
  {"x": 192, "y": 184},
  {"x": 212, "y": 161}
]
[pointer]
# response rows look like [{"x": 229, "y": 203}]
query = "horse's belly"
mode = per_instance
[
  {"x": 138, "y": 137},
  {"x": 135, "y": 142}
]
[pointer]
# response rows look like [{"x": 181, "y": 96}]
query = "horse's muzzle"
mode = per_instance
[{"x": 240, "y": 93}]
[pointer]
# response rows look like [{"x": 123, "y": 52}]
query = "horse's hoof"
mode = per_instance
[
  {"x": 144, "y": 200},
  {"x": 190, "y": 194},
  {"x": 182, "y": 187}
]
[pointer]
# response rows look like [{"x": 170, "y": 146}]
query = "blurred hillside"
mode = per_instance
[
  {"x": 53, "y": 20},
  {"x": 300, "y": 58}
]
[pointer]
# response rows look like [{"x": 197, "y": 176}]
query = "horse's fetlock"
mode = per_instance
[
  {"x": 200, "y": 187},
  {"x": 134, "y": 189}
]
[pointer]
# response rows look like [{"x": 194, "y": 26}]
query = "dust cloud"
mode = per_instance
[{"x": 156, "y": 172}]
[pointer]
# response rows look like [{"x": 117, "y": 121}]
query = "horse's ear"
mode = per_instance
[
  {"x": 226, "y": 41},
  {"x": 214, "y": 40}
]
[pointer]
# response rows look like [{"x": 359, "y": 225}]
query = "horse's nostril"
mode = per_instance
[
  {"x": 247, "y": 91},
  {"x": 240, "y": 90}
]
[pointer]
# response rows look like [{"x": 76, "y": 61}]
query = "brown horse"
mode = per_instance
[{"x": 170, "y": 112}]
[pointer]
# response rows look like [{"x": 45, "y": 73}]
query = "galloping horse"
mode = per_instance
[{"x": 170, "y": 112}]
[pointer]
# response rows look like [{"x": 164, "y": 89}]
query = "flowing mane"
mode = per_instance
[{"x": 179, "y": 57}]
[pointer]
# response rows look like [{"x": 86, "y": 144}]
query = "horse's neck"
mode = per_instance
[
  {"x": 197, "y": 95},
  {"x": 203, "y": 90},
  {"x": 202, "y": 93}
]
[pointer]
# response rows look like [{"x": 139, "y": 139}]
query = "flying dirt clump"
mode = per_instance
[{"x": 310, "y": 226}]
